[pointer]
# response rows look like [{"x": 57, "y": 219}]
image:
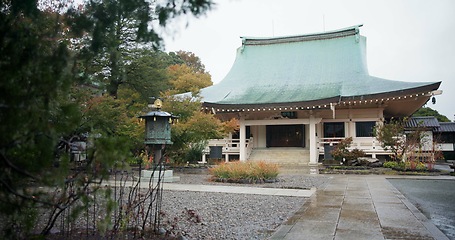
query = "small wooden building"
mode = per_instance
[{"x": 438, "y": 136}]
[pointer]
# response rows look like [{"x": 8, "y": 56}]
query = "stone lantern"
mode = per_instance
[
  {"x": 158, "y": 126},
  {"x": 157, "y": 132}
]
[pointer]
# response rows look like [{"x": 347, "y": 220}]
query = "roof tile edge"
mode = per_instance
[{"x": 353, "y": 30}]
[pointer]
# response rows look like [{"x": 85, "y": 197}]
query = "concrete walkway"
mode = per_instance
[
  {"x": 241, "y": 190},
  {"x": 225, "y": 189},
  {"x": 358, "y": 207}
]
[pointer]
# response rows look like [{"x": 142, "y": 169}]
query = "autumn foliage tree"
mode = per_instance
[
  {"x": 184, "y": 79},
  {"x": 191, "y": 60},
  {"x": 195, "y": 127}
]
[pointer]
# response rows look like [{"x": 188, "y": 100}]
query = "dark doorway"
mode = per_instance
[{"x": 285, "y": 136}]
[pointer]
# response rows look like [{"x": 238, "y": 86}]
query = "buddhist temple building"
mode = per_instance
[{"x": 296, "y": 95}]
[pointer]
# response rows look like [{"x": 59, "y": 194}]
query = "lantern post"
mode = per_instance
[{"x": 157, "y": 132}]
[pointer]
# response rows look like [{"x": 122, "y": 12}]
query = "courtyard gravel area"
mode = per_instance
[{"x": 207, "y": 215}]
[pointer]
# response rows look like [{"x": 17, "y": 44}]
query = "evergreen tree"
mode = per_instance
[
  {"x": 427, "y": 111},
  {"x": 46, "y": 56},
  {"x": 146, "y": 72},
  {"x": 121, "y": 26}
]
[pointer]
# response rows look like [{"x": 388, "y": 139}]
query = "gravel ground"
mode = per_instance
[
  {"x": 202, "y": 215},
  {"x": 207, "y": 215}
]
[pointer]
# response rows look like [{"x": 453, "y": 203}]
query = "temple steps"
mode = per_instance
[{"x": 282, "y": 156}]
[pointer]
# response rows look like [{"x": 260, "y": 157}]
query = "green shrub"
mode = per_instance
[
  {"x": 409, "y": 165},
  {"x": 194, "y": 153},
  {"x": 416, "y": 165},
  {"x": 390, "y": 164},
  {"x": 251, "y": 171}
]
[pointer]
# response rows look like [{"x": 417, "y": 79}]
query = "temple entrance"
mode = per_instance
[{"x": 285, "y": 135}]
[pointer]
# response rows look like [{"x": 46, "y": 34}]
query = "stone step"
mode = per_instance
[{"x": 167, "y": 176}]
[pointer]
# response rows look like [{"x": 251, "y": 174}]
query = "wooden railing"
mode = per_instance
[
  {"x": 230, "y": 147},
  {"x": 370, "y": 146},
  {"x": 446, "y": 146}
]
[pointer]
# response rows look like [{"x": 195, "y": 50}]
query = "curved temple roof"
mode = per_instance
[{"x": 315, "y": 68}]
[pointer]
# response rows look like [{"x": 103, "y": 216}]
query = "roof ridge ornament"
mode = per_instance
[
  {"x": 243, "y": 44},
  {"x": 357, "y": 34}
]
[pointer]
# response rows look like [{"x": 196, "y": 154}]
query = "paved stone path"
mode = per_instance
[{"x": 358, "y": 207}]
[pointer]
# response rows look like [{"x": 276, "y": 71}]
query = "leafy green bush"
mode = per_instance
[
  {"x": 250, "y": 171},
  {"x": 416, "y": 165},
  {"x": 404, "y": 166},
  {"x": 194, "y": 153},
  {"x": 390, "y": 164}
]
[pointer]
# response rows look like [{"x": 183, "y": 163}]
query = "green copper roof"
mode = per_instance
[{"x": 302, "y": 68}]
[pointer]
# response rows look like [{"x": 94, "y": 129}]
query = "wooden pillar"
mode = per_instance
[
  {"x": 242, "y": 133},
  {"x": 351, "y": 126},
  {"x": 313, "y": 143}
]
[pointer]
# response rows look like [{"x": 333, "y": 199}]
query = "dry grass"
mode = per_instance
[{"x": 252, "y": 171}]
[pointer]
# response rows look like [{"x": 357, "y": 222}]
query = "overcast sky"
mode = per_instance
[{"x": 407, "y": 40}]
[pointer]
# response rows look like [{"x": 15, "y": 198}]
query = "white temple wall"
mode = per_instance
[
  {"x": 258, "y": 122},
  {"x": 313, "y": 122},
  {"x": 260, "y": 140}
]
